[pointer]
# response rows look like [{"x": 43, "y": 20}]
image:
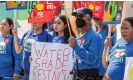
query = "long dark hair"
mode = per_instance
[
  {"x": 44, "y": 26},
  {"x": 10, "y": 22},
  {"x": 66, "y": 30},
  {"x": 130, "y": 20}
]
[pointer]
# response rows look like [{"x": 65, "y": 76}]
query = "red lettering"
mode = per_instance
[
  {"x": 50, "y": 64},
  {"x": 52, "y": 52},
  {"x": 59, "y": 75},
  {"x": 44, "y": 63},
  {"x": 36, "y": 62},
  {"x": 39, "y": 52},
  {"x": 54, "y": 76},
  {"x": 49, "y": 73},
  {"x": 58, "y": 61},
  {"x": 66, "y": 53},
  {"x": 39, "y": 74},
  {"x": 44, "y": 74},
  {"x": 45, "y": 54},
  {"x": 34, "y": 76}
]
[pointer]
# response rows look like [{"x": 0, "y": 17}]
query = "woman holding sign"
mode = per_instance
[
  {"x": 119, "y": 52},
  {"x": 102, "y": 30},
  {"x": 10, "y": 62},
  {"x": 37, "y": 34}
]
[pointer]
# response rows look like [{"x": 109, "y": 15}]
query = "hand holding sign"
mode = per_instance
[
  {"x": 72, "y": 42},
  {"x": 107, "y": 42},
  {"x": 15, "y": 31},
  {"x": 30, "y": 59},
  {"x": 15, "y": 77}
]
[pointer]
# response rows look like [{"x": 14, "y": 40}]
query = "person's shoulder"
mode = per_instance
[
  {"x": 120, "y": 40},
  {"x": 91, "y": 33},
  {"x": 52, "y": 33},
  {"x": 96, "y": 37},
  {"x": 27, "y": 34},
  {"x": 95, "y": 34}
]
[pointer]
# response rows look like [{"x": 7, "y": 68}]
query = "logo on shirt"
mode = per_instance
[
  {"x": 117, "y": 56},
  {"x": 28, "y": 45},
  {"x": 2, "y": 48},
  {"x": 120, "y": 54},
  {"x": 83, "y": 40},
  {"x": 6, "y": 41}
]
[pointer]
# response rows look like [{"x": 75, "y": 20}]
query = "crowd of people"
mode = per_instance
[{"x": 89, "y": 47}]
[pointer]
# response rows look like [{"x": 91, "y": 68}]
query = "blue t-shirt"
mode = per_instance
[
  {"x": 27, "y": 41},
  {"x": 58, "y": 39},
  {"x": 87, "y": 50},
  {"x": 103, "y": 34},
  {"x": 7, "y": 53},
  {"x": 53, "y": 34},
  {"x": 50, "y": 28},
  {"x": 118, "y": 53}
]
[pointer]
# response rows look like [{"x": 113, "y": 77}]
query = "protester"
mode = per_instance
[
  {"x": 102, "y": 30},
  {"x": 118, "y": 53},
  {"x": 61, "y": 30},
  {"x": 10, "y": 62},
  {"x": 37, "y": 34},
  {"x": 86, "y": 47}
]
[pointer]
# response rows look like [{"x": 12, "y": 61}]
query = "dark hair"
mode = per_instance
[
  {"x": 44, "y": 26},
  {"x": 10, "y": 22},
  {"x": 66, "y": 30},
  {"x": 130, "y": 20}
]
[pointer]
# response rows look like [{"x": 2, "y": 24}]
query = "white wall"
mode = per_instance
[{"x": 24, "y": 27}]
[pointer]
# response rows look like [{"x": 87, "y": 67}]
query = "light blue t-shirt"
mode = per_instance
[
  {"x": 58, "y": 39},
  {"x": 118, "y": 53},
  {"x": 103, "y": 34}
]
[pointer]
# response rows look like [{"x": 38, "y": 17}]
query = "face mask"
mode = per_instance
[{"x": 80, "y": 23}]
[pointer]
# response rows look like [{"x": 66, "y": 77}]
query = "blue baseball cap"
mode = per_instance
[{"x": 83, "y": 10}]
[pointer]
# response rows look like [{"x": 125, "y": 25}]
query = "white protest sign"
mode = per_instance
[
  {"x": 128, "y": 69},
  {"x": 51, "y": 61}
]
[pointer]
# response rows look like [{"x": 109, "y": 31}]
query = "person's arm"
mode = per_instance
[
  {"x": 106, "y": 45},
  {"x": 105, "y": 63},
  {"x": 18, "y": 64},
  {"x": 89, "y": 54},
  {"x": 18, "y": 47}
]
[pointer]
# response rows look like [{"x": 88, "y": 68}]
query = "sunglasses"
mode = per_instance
[
  {"x": 79, "y": 16},
  {"x": 96, "y": 19}
]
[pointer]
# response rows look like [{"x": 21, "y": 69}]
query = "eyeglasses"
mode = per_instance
[{"x": 96, "y": 19}]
